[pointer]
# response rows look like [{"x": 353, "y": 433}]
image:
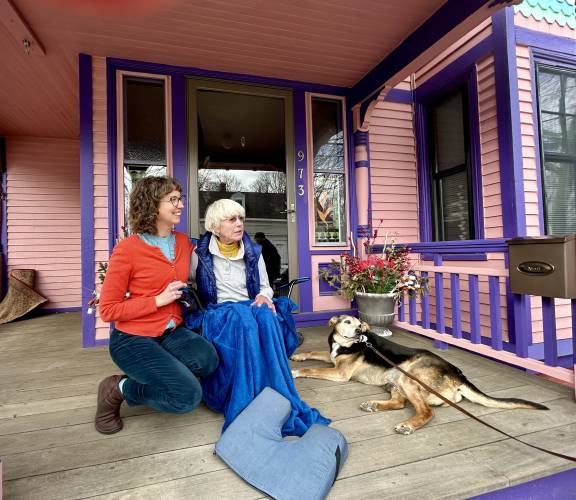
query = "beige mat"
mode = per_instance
[{"x": 21, "y": 297}]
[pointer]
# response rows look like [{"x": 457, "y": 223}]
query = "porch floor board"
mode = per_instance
[{"x": 49, "y": 447}]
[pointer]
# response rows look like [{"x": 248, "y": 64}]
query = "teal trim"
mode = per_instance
[{"x": 561, "y": 12}]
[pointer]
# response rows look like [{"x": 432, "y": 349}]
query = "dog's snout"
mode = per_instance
[{"x": 358, "y": 331}]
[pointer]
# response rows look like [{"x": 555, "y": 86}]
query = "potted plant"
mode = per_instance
[{"x": 376, "y": 281}]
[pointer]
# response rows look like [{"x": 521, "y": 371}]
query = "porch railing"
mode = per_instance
[{"x": 506, "y": 311}]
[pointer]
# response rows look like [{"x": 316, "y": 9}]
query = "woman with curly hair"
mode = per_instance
[{"x": 160, "y": 357}]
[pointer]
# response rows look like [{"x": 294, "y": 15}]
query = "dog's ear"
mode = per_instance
[
  {"x": 333, "y": 320},
  {"x": 364, "y": 327}
]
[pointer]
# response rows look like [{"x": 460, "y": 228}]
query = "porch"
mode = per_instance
[{"x": 49, "y": 448}]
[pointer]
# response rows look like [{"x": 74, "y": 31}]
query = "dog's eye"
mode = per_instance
[{"x": 347, "y": 321}]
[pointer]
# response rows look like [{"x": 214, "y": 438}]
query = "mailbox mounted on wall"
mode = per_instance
[{"x": 543, "y": 265}]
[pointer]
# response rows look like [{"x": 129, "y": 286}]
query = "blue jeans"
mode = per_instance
[{"x": 162, "y": 370}]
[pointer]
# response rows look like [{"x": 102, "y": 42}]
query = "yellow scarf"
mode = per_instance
[{"x": 230, "y": 250}]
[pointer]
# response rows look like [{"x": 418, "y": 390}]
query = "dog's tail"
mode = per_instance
[{"x": 472, "y": 393}]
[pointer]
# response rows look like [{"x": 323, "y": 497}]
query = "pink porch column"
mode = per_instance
[{"x": 361, "y": 166}]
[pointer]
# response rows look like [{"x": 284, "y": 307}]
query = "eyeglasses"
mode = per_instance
[{"x": 175, "y": 200}]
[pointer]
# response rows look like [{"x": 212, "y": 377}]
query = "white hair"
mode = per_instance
[{"x": 221, "y": 210}]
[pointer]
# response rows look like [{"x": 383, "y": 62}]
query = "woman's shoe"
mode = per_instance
[{"x": 107, "y": 420}]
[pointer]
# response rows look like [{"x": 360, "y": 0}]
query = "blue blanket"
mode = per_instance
[{"x": 253, "y": 345}]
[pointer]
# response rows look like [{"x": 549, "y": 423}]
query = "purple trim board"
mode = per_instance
[
  {"x": 179, "y": 141},
  {"x": 3, "y": 221},
  {"x": 300, "y": 142},
  {"x": 86, "y": 196},
  {"x": 508, "y": 117}
]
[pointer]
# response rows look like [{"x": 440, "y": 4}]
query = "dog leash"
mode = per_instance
[{"x": 364, "y": 339}]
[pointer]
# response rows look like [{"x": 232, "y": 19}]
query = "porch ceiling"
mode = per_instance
[{"x": 332, "y": 43}]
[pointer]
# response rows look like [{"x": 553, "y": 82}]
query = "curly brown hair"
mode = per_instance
[{"x": 145, "y": 201}]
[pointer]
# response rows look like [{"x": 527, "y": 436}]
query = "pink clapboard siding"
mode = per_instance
[
  {"x": 100, "y": 143},
  {"x": 528, "y": 128},
  {"x": 393, "y": 187},
  {"x": 43, "y": 215},
  {"x": 487, "y": 111}
]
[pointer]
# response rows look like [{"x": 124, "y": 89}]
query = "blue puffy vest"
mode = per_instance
[{"x": 206, "y": 279}]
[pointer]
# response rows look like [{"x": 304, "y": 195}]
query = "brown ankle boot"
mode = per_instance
[{"x": 110, "y": 398}]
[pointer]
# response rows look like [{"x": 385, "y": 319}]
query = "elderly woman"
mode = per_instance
[
  {"x": 253, "y": 334},
  {"x": 161, "y": 358}
]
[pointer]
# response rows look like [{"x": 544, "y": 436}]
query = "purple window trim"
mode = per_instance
[
  {"x": 446, "y": 18},
  {"x": 559, "y": 44},
  {"x": 86, "y": 197},
  {"x": 549, "y": 58},
  {"x": 460, "y": 72},
  {"x": 3, "y": 214},
  {"x": 166, "y": 69},
  {"x": 179, "y": 141},
  {"x": 112, "y": 167},
  {"x": 352, "y": 205},
  {"x": 508, "y": 118}
]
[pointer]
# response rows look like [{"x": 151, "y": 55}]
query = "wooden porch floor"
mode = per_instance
[{"x": 50, "y": 449}]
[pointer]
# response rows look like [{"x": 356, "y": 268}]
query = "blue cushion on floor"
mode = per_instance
[{"x": 301, "y": 469}]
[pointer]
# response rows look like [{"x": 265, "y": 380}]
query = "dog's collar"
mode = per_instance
[{"x": 362, "y": 338}]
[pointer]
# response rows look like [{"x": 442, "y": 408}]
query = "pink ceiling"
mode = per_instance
[{"x": 335, "y": 43}]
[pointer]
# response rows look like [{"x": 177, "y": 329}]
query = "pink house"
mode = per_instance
[{"x": 450, "y": 122}]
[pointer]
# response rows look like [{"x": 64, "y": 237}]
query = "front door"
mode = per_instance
[{"x": 241, "y": 147}]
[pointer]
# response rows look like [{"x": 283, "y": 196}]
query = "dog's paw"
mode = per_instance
[
  {"x": 298, "y": 357},
  {"x": 369, "y": 406},
  {"x": 404, "y": 428},
  {"x": 295, "y": 373}
]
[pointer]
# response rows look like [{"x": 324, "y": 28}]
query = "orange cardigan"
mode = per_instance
[{"x": 144, "y": 271}]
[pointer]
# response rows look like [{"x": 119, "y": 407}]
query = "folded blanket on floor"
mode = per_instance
[{"x": 253, "y": 345}]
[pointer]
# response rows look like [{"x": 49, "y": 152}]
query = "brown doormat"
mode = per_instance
[{"x": 21, "y": 297}]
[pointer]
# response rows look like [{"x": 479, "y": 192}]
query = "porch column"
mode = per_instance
[{"x": 362, "y": 177}]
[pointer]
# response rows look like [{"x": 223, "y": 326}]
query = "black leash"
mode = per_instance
[{"x": 459, "y": 408}]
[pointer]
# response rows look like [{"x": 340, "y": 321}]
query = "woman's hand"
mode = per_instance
[
  {"x": 170, "y": 294},
  {"x": 262, "y": 299}
]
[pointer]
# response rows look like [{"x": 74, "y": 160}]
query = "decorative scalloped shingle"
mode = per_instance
[{"x": 561, "y": 12}]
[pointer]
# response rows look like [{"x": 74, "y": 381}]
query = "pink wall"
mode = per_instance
[
  {"x": 487, "y": 111},
  {"x": 393, "y": 186},
  {"x": 43, "y": 215}
]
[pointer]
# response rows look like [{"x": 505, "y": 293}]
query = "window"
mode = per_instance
[
  {"x": 329, "y": 166},
  {"x": 144, "y": 132},
  {"x": 557, "y": 107},
  {"x": 450, "y": 169}
]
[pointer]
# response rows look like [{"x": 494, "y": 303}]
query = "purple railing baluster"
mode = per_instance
[
  {"x": 549, "y": 320},
  {"x": 401, "y": 315},
  {"x": 439, "y": 284},
  {"x": 475, "y": 334},
  {"x": 412, "y": 310},
  {"x": 456, "y": 312},
  {"x": 426, "y": 306},
  {"x": 495, "y": 313},
  {"x": 522, "y": 323}
]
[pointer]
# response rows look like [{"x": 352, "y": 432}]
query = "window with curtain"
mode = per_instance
[
  {"x": 329, "y": 171},
  {"x": 144, "y": 132},
  {"x": 557, "y": 110},
  {"x": 450, "y": 169}
]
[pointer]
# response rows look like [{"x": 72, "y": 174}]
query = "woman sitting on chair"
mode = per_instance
[{"x": 253, "y": 334}]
